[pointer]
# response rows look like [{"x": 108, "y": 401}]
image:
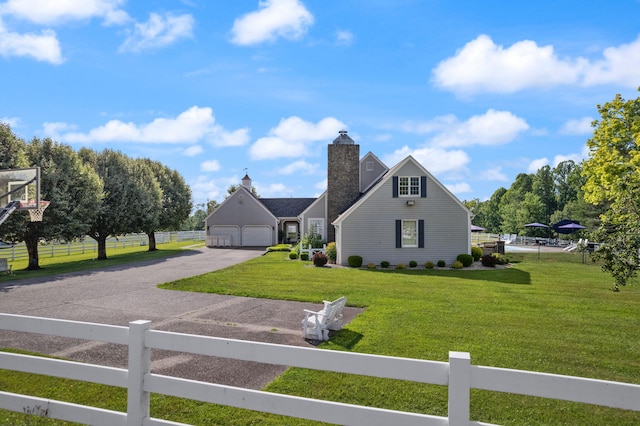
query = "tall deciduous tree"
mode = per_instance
[
  {"x": 613, "y": 183},
  {"x": 132, "y": 196},
  {"x": 73, "y": 189},
  {"x": 176, "y": 201}
]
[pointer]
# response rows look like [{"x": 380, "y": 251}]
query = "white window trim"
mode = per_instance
[
  {"x": 415, "y": 222},
  {"x": 409, "y": 186},
  {"x": 310, "y": 226}
]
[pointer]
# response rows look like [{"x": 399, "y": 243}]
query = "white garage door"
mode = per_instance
[
  {"x": 257, "y": 236},
  {"x": 232, "y": 232}
]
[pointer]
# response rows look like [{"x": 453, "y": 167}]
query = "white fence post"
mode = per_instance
[
  {"x": 138, "y": 399},
  {"x": 459, "y": 388}
]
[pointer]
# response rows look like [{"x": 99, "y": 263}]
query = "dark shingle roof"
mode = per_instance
[{"x": 286, "y": 207}]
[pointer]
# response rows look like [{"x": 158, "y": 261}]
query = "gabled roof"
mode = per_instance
[
  {"x": 388, "y": 176},
  {"x": 286, "y": 207}
]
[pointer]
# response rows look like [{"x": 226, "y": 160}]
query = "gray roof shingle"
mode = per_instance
[{"x": 286, "y": 207}]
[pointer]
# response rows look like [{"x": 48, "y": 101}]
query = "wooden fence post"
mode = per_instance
[
  {"x": 459, "y": 388},
  {"x": 138, "y": 399}
]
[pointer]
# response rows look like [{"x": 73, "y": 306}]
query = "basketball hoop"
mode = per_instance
[{"x": 35, "y": 212}]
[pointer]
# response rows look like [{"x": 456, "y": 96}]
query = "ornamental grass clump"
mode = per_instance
[
  {"x": 457, "y": 265},
  {"x": 429, "y": 265}
]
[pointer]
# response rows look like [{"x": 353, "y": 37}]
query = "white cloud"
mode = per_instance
[
  {"x": 491, "y": 128},
  {"x": 238, "y": 137},
  {"x": 481, "y": 66},
  {"x": 435, "y": 160},
  {"x": 459, "y": 188},
  {"x": 43, "y": 47},
  {"x": 50, "y": 12},
  {"x": 204, "y": 188},
  {"x": 293, "y": 137},
  {"x": 619, "y": 66},
  {"x": 322, "y": 185},
  {"x": 344, "y": 38},
  {"x": 193, "y": 150},
  {"x": 581, "y": 126},
  {"x": 537, "y": 164},
  {"x": 193, "y": 125},
  {"x": 577, "y": 158},
  {"x": 11, "y": 121},
  {"x": 300, "y": 166},
  {"x": 493, "y": 174},
  {"x": 274, "y": 18},
  {"x": 158, "y": 31},
  {"x": 210, "y": 166},
  {"x": 273, "y": 190}
]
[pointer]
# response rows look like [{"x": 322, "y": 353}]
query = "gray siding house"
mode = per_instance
[{"x": 398, "y": 214}]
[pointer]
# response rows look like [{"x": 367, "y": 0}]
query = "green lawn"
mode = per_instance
[{"x": 554, "y": 315}]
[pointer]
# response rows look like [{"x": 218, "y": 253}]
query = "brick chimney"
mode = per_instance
[{"x": 343, "y": 177}]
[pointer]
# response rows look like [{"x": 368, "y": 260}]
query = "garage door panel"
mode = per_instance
[{"x": 257, "y": 236}]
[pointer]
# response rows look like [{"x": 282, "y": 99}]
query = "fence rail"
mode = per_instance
[
  {"x": 458, "y": 374},
  {"x": 89, "y": 245}
]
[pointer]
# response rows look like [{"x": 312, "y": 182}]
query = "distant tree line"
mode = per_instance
[
  {"x": 99, "y": 194},
  {"x": 547, "y": 196}
]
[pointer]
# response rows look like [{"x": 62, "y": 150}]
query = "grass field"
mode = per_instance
[{"x": 553, "y": 315}]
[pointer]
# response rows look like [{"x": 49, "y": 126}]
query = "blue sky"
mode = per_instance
[{"x": 477, "y": 91}]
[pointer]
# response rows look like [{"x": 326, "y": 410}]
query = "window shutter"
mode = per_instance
[
  {"x": 398, "y": 233},
  {"x": 394, "y": 181},
  {"x": 423, "y": 187},
  {"x": 421, "y": 233}
]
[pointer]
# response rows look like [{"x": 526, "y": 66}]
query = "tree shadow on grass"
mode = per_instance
[{"x": 506, "y": 275}]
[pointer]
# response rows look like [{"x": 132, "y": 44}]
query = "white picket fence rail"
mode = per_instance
[{"x": 458, "y": 374}]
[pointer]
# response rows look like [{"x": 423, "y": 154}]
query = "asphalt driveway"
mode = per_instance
[{"x": 120, "y": 294}]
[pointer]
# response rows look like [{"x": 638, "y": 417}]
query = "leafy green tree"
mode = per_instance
[
  {"x": 211, "y": 206},
  {"x": 12, "y": 149},
  {"x": 132, "y": 196},
  {"x": 176, "y": 201},
  {"x": 543, "y": 186},
  {"x": 568, "y": 182},
  {"x": 612, "y": 175},
  {"x": 73, "y": 189}
]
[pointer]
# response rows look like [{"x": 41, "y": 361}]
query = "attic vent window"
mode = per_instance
[{"x": 369, "y": 166}]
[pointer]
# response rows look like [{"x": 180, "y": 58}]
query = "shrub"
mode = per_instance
[
  {"x": 293, "y": 255},
  {"x": 355, "y": 261},
  {"x": 476, "y": 252},
  {"x": 465, "y": 259},
  {"x": 304, "y": 256},
  {"x": 332, "y": 252},
  {"x": 429, "y": 265},
  {"x": 319, "y": 259},
  {"x": 371, "y": 265},
  {"x": 441, "y": 263},
  {"x": 413, "y": 264},
  {"x": 502, "y": 260},
  {"x": 384, "y": 264},
  {"x": 489, "y": 260},
  {"x": 313, "y": 239},
  {"x": 401, "y": 266},
  {"x": 457, "y": 265}
]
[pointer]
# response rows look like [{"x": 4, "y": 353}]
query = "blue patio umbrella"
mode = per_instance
[{"x": 571, "y": 227}]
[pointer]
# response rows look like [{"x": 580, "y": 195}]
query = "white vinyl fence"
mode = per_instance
[
  {"x": 458, "y": 374},
  {"x": 89, "y": 245}
]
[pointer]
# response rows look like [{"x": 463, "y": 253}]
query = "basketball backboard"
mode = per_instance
[{"x": 21, "y": 185}]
